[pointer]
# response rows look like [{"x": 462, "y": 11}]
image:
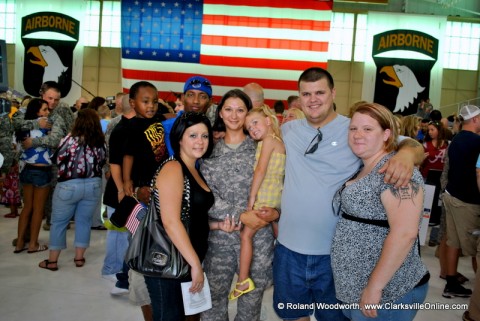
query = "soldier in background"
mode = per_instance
[
  {"x": 6, "y": 134},
  {"x": 60, "y": 120}
]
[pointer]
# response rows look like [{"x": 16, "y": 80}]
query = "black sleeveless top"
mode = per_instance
[{"x": 200, "y": 203}]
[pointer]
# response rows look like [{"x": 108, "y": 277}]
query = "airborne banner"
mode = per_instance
[
  {"x": 48, "y": 59},
  {"x": 401, "y": 82}
]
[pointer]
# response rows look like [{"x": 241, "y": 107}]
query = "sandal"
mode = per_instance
[
  {"x": 251, "y": 287},
  {"x": 79, "y": 262},
  {"x": 11, "y": 215},
  {"x": 46, "y": 263},
  {"x": 40, "y": 248}
]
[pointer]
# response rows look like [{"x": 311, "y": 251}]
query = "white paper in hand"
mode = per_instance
[{"x": 194, "y": 303}]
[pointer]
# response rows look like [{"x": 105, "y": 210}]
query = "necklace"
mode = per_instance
[{"x": 368, "y": 168}]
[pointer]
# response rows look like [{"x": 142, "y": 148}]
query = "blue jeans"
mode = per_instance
[
  {"x": 116, "y": 244},
  {"x": 97, "y": 219},
  {"x": 416, "y": 295},
  {"x": 300, "y": 282},
  {"x": 75, "y": 197},
  {"x": 166, "y": 297},
  {"x": 122, "y": 277}
]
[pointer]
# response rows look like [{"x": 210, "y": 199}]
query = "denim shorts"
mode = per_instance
[
  {"x": 303, "y": 284},
  {"x": 38, "y": 176}
]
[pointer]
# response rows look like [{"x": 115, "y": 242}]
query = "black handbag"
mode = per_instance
[{"x": 151, "y": 252}]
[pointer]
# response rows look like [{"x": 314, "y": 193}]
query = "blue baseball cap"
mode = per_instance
[{"x": 198, "y": 83}]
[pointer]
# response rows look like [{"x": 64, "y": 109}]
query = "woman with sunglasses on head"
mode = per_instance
[
  {"x": 229, "y": 173},
  {"x": 375, "y": 251},
  {"x": 191, "y": 138}
]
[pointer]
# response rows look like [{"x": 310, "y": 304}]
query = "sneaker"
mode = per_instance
[
  {"x": 118, "y": 291},
  {"x": 460, "y": 278},
  {"x": 456, "y": 290},
  {"x": 110, "y": 277}
]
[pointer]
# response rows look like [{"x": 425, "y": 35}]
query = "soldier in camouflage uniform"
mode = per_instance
[
  {"x": 61, "y": 120},
  {"x": 6, "y": 149},
  {"x": 229, "y": 173}
]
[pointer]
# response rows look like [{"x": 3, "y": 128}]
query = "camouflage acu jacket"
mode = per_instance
[
  {"x": 62, "y": 119},
  {"x": 6, "y": 140},
  {"x": 229, "y": 174}
]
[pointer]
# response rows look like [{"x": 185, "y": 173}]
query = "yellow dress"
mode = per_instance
[{"x": 270, "y": 192}]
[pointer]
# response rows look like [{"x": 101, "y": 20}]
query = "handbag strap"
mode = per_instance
[{"x": 185, "y": 209}]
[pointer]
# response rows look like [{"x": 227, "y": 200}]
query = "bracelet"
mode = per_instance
[
  {"x": 279, "y": 214},
  {"x": 120, "y": 191}
]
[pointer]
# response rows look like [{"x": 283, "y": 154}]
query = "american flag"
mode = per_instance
[
  {"x": 135, "y": 217},
  {"x": 231, "y": 42}
]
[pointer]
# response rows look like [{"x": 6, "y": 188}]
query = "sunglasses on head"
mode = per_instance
[
  {"x": 192, "y": 115},
  {"x": 197, "y": 83}
]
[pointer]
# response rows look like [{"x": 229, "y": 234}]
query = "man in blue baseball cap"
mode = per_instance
[
  {"x": 197, "y": 93},
  {"x": 196, "y": 97}
]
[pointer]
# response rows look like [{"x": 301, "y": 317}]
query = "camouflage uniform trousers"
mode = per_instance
[
  {"x": 48, "y": 202},
  {"x": 220, "y": 265}
]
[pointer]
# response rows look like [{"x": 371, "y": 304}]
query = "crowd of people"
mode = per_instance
[{"x": 325, "y": 207}]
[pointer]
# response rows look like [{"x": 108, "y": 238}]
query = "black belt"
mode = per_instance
[
  {"x": 381, "y": 223},
  {"x": 424, "y": 280},
  {"x": 39, "y": 168}
]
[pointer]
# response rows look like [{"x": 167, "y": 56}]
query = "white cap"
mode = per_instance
[{"x": 469, "y": 111}]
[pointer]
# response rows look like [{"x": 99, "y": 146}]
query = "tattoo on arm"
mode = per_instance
[{"x": 405, "y": 193}]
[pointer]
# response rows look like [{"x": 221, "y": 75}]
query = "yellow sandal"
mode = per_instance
[{"x": 251, "y": 287}]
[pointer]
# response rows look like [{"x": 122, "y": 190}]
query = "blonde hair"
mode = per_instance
[
  {"x": 267, "y": 112},
  {"x": 386, "y": 120},
  {"x": 297, "y": 112},
  {"x": 410, "y": 126}
]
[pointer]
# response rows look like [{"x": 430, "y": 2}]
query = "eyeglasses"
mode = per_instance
[
  {"x": 197, "y": 83},
  {"x": 193, "y": 115},
  {"x": 436, "y": 123},
  {"x": 312, "y": 147}
]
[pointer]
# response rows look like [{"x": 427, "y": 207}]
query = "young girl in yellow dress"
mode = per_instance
[{"x": 267, "y": 185}]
